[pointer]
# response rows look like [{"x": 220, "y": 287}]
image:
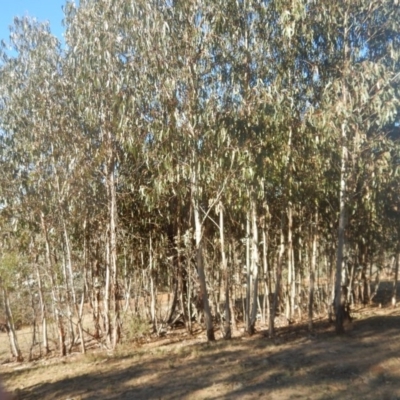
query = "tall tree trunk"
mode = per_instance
[
  {"x": 278, "y": 281},
  {"x": 313, "y": 264},
  {"x": 68, "y": 304},
  {"x": 227, "y": 333},
  {"x": 396, "y": 276},
  {"x": 107, "y": 295},
  {"x": 57, "y": 300},
  {"x": 267, "y": 291},
  {"x": 199, "y": 259},
  {"x": 248, "y": 275},
  {"x": 113, "y": 254},
  {"x": 15, "y": 349},
  {"x": 152, "y": 289},
  {"x": 71, "y": 286},
  {"x": 255, "y": 259},
  {"x": 43, "y": 310},
  {"x": 291, "y": 289},
  {"x": 96, "y": 286},
  {"x": 232, "y": 291},
  {"x": 113, "y": 330},
  {"x": 291, "y": 284},
  {"x": 340, "y": 297}
]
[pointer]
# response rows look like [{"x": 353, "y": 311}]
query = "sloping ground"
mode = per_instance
[{"x": 362, "y": 364}]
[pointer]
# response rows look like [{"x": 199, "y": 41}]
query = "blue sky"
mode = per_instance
[{"x": 42, "y": 10}]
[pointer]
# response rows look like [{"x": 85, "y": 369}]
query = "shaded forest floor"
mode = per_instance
[{"x": 364, "y": 363}]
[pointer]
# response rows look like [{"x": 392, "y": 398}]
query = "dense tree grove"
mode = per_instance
[{"x": 197, "y": 162}]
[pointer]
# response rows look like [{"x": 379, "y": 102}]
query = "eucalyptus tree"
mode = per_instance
[
  {"x": 244, "y": 69},
  {"x": 357, "y": 96},
  {"x": 106, "y": 56},
  {"x": 30, "y": 120},
  {"x": 274, "y": 40},
  {"x": 185, "y": 103},
  {"x": 9, "y": 261},
  {"x": 385, "y": 203}
]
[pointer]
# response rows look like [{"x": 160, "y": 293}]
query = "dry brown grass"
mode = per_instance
[{"x": 362, "y": 364}]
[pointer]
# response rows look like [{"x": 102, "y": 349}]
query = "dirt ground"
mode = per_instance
[{"x": 363, "y": 364}]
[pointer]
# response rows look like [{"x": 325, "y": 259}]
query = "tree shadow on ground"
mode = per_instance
[{"x": 363, "y": 363}]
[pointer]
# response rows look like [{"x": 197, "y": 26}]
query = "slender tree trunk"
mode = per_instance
[
  {"x": 175, "y": 243},
  {"x": 112, "y": 289},
  {"x": 57, "y": 300},
  {"x": 299, "y": 279},
  {"x": 312, "y": 271},
  {"x": 34, "y": 327},
  {"x": 96, "y": 285},
  {"x": 291, "y": 289},
  {"x": 68, "y": 305},
  {"x": 278, "y": 282},
  {"x": 232, "y": 290},
  {"x": 107, "y": 294},
  {"x": 340, "y": 297},
  {"x": 71, "y": 286},
  {"x": 248, "y": 275},
  {"x": 15, "y": 349},
  {"x": 255, "y": 259},
  {"x": 200, "y": 260},
  {"x": 152, "y": 289},
  {"x": 395, "y": 278},
  {"x": 376, "y": 281},
  {"x": 227, "y": 333},
  {"x": 43, "y": 310},
  {"x": 267, "y": 306},
  {"x": 113, "y": 252}
]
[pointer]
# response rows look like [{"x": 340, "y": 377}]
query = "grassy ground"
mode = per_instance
[{"x": 362, "y": 364}]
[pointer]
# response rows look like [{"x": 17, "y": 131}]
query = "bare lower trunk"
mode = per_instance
[
  {"x": 57, "y": 299},
  {"x": 227, "y": 333},
  {"x": 340, "y": 295},
  {"x": 395, "y": 279},
  {"x": 95, "y": 292},
  {"x": 340, "y": 298},
  {"x": 291, "y": 288},
  {"x": 277, "y": 283},
  {"x": 267, "y": 306},
  {"x": 113, "y": 252},
  {"x": 232, "y": 291},
  {"x": 43, "y": 311},
  {"x": 312, "y": 272},
  {"x": 71, "y": 288},
  {"x": 255, "y": 258},
  {"x": 152, "y": 288},
  {"x": 68, "y": 306},
  {"x": 248, "y": 276},
  {"x": 107, "y": 295},
  {"x": 15, "y": 350},
  {"x": 111, "y": 302},
  {"x": 203, "y": 295}
]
